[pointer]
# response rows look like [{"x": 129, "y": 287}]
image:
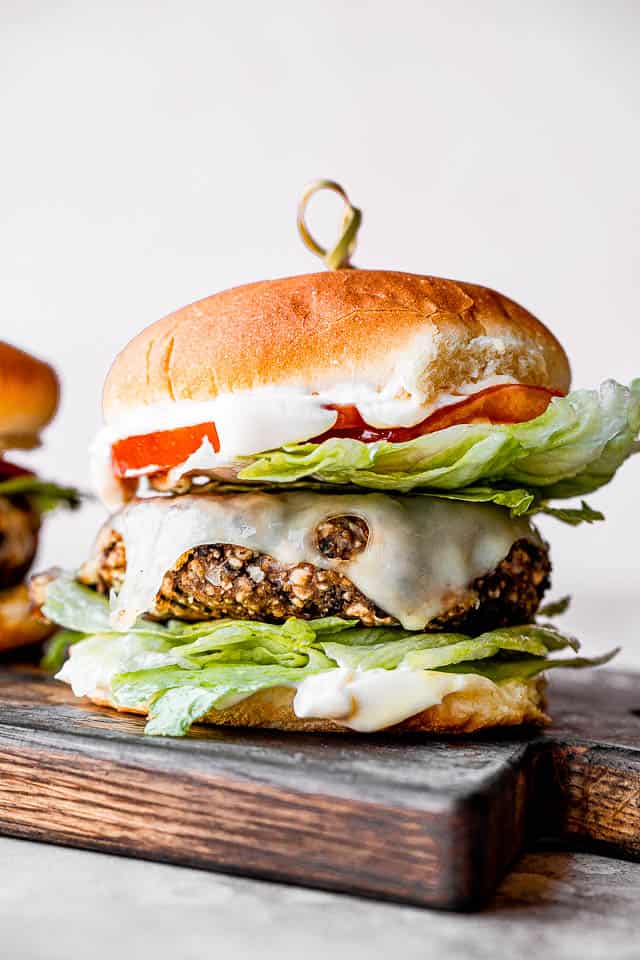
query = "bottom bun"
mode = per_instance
[
  {"x": 18, "y": 624},
  {"x": 477, "y": 707}
]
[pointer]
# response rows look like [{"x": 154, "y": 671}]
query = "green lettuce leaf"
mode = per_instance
[
  {"x": 573, "y": 515},
  {"x": 389, "y": 653},
  {"x": 43, "y": 493},
  {"x": 83, "y": 612},
  {"x": 573, "y": 448},
  {"x": 518, "y": 501},
  {"x": 57, "y": 647},
  {"x": 555, "y": 608},
  {"x": 180, "y": 671},
  {"x": 524, "y": 668},
  {"x": 76, "y": 607},
  {"x": 173, "y": 712},
  {"x": 537, "y": 641},
  {"x": 579, "y": 442},
  {"x": 139, "y": 687},
  {"x": 430, "y": 651},
  {"x": 178, "y": 697}
]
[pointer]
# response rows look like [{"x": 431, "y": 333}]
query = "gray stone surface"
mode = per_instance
[{"x": 59, "y": 904}]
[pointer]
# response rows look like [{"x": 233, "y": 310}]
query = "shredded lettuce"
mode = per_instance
[
  {"x": 180, "y": 671},
  {"x": 43, "y": 493},
  {"x": 555, "y": 608},
  {"x": 572, "y": 449}
]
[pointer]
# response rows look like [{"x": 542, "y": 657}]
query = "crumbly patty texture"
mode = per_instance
[
  {"x": 225, "y": 580},
  {"x": 19, "y": 525}
]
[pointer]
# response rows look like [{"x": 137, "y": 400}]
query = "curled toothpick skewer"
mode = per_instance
[{"x": 339, "y": 257}]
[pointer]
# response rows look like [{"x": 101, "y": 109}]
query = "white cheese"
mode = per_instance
[{"x": 421, "y": 555}]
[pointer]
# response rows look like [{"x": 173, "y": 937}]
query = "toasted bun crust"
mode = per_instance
[
  {"x": 476, "y": 707},
  {"x": 29, "y": 392},
  {"x": 394, "y": 332},
  {"x": 18, "y": 625}
]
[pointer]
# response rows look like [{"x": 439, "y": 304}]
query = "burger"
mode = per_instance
[
  {"x": 323, "y": 493},
  {"x": 28, "y": 400}
]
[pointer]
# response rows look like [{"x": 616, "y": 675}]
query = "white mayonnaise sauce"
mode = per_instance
[
  {"x": 252, "y": 421},
  {"x": 368, "y": 700},
  {"x": 422, "y": 552}
]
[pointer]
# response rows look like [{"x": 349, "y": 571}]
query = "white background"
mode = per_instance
[{"x": 152, "y": 153}]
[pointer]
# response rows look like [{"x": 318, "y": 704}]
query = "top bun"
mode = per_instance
[
  {"x": 29, "y": 393},
  {"x": 398, "y": 333}
]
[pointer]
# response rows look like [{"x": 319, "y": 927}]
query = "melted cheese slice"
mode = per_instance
[{"x": 421, "y": 555}]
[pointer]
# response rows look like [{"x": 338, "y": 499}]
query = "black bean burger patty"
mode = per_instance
[
  {"x": 224, "y": 580},
  {"x": 19, "y": 525}
]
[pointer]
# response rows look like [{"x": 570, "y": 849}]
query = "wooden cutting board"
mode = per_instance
[{"x": 434, "y": 822}]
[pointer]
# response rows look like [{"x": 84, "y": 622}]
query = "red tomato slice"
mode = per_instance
[
  {"x": 504, "y": 403},
  {"x": 161, "y": 450}
]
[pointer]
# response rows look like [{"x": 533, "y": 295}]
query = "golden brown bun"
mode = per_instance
[
  {"x": 418, "y": 334},
  {"x": 18, "y": 624},
  {"x": 29, "y": 393},
  {"x": 476, "y": 707}
]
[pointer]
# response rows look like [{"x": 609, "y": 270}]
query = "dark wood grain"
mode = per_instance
[{"x": 428, "y": 821}]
